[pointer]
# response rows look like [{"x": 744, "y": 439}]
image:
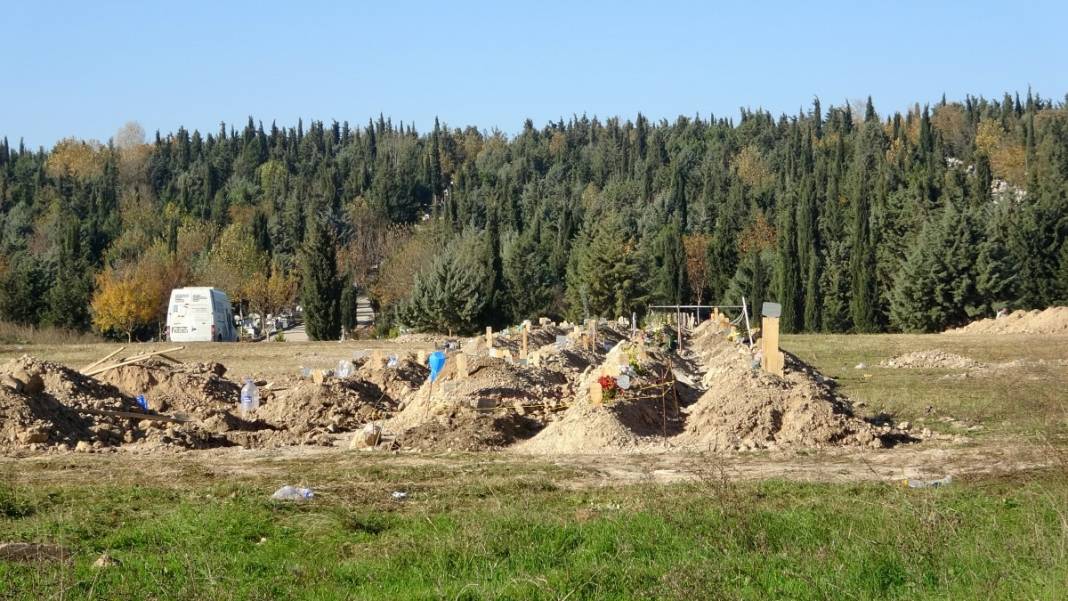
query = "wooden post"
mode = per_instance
[
  {"x": 596, "y": 393},
  {"x": 523, "y": 352},
  {"x": 461, "y": 366},
  {"x": 773, "y": 359},
  {"x": 489, "y": 337},
  {"x": 378, "y": 359},
  {"x": 591, "y": 329}
]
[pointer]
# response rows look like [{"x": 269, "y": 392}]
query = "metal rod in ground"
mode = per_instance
[
  {"x": 678, "y": 326},
  {"x": 663, "y": 416},
  {"x": 674, "y": 392},
  {"x": 749, "y": 330}
]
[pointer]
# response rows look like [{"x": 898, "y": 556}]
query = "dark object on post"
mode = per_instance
[{"x": 771, "y": 310}]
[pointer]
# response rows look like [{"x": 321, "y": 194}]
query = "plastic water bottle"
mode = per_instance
[
  {"x": 142, "y": 402},
  {"x": 344, "y": 369},
  {"x": 250, "y": 397},
  {"x": 293, "y": 493}
]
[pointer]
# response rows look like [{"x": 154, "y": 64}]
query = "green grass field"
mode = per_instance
[
  {"x": 520, "y": 533},
  {"x": 495, "y": 526}
]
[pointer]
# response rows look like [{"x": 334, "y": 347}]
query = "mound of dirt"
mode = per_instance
[
  {"x": 933, "y": 359},
  {"x": 48, "y": 406},
  {"x": 496, "y": 403},
  {"x": 398, "y": 383},
  {"x": 639, "y": 418},
  {"x": 462, "y": 429},
  {"x": 310, "y": 413},
  {"x": 187, "y": 387},
  {"x": 584, "y": 428},
  {"x": 1053, "y": 320},
  {"x": 746, "y": 408}
]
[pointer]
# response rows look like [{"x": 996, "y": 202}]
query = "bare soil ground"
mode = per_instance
[
  {"x": 256, "y": 359},
  {"x": 1013, "y": 420}
]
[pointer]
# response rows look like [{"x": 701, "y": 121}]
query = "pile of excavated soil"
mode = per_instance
[
  {"x": 186, "y": 387},
  {"x": 620, "y": 426},
  {"x": 310, "y": 413},
  {"x": 640, "y": 418},
  {"x": 740, "y": 408},
  {"x": 48, "y": 406},
  {"x": 745, "y": 408},
  {"x": 298, "y": 411},
  {"x": 933, "y": 359},
  {"x": 1053, "y": 320},
  {"x": 494, "y": 405},
  {"x": 463, "y": 429},
  {"x": 397, "y": 383}
]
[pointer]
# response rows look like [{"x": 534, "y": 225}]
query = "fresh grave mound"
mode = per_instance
[
  {"x": 496, "y": 403},
  {"x": 570, "y": 360},
  {"x": 511, "y": 339},
  {"x": 310, "y": 413},
  {"x": 196, "y": 388},
  {"x": 614, "y": 427},
  {"x": 50, "y": 406},
  {"x": 933, "y": 359},
  {"x": 641, "y": 418},
  {"x": 746, "y": 408},
  {"x": 398, "y": 383},
  {"x": 464, "y": 429},
  {"x": 1053, "y": 320}
]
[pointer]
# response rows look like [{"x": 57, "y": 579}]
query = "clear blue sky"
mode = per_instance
[{"x": 84, "y": 68}]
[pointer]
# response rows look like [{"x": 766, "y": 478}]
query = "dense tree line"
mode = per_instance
[{"x": 854, "y": 222}]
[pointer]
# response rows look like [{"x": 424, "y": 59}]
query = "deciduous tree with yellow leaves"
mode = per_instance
[{"x": 124, "y": 301}]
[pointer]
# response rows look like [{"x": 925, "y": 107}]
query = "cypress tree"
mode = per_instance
[
  {"x": 1062, "y": 275},
  {"x": 527, "y": 278},
  {"x": 321, "y": 286},
  {"x": 995, "y": 276},
  {"x": 751, "y": 280},
  {"x": 865, "y": 297},
  {"x": 68, "y": 298},
  {"x": 918, "y": 300},
  {"x": 812, "y": 291},
  {"x": 348, "y": 307},
  {"x": 789, "y": 271},
  {"x": 834, "y": 288},
  {"x": 723, "y": 253},
  {"x": 862, "y": 267},
  {"x": 669, "y": 266}
]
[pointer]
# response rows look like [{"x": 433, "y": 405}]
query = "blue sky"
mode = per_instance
[{"x": 84, "y": 68}]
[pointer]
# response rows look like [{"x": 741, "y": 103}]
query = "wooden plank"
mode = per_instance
[
  {"x": 131, "y": 415},
  {"x": 131, "y": 361},
  {"x": 772, "y": 358},
  {"x": 101, "y": 360},
  {"x": 461, "y": 366},
  {"x": 169, "y": 358}
]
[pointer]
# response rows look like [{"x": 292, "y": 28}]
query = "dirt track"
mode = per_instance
[{"x": 579, "y": 471}]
